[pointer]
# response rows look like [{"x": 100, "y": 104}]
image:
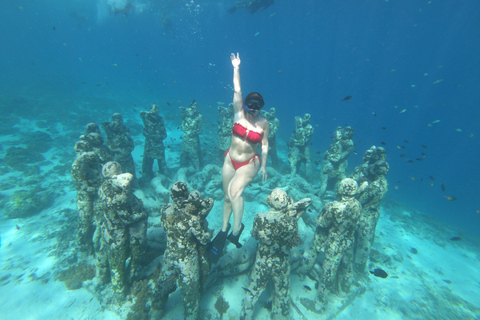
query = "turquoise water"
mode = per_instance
[{"x": 410, "y": 67}]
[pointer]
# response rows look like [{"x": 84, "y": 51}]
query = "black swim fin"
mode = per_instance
[
  {"x": 234, "y": 239},
  {"x": 214, "y": 249}
]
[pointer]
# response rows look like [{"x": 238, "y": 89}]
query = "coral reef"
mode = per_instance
[{"x": 26, "y": 202}]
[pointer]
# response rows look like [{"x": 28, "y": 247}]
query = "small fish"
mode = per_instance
[
  {"x": 455, "y": 239},
  {"x": 169, "y": 104},
  {"x": 317, "y": 163},
  {"x": 383, "y": 143},
  {"x": 402, "y": 111},
  {"x": 419, "y": 159},
  {"x": 437, "y": 81},
  {"x": 424, "y": 146},
  {"x": 347, "y": 98},
  {"x": 431, "y": 184},
  {"x": 318, "y": 152},
  {"x": 246, "y": 289},
  {"x": 307, "y": 287},
  {"x": 450, "y": 198},
  {"x": 435, "y": 121},
  {"x": 54, "y": 28},
  {"x": 406, "y": 141},
  {"x": 374, "y": 114},
  {"x": 410, "y": 161},
  {"x": 403, "y": 147},
  {"x": 431, "y": 177},
  {"x": 402, "y": 155},
  {"x": 446, "y": 281},
  {"x": 412, "y": 178},
  {"x": 458, "y": 130},
  {"x": 257, "y": 33},
  {"x": 424, "y": 154},
  {"x": 17, "y": 227},
  {"x": 379, "y": 273},
  {"x": 442, "y": 186},
  {"x": 384, "y": 128},
  {"x": 413, "y": 250},
  {"x": 478, "y": 211}
]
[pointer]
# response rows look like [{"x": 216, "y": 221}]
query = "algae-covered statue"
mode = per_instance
[
  {"x": 370, "y": 198},
  {"x": 225, "y": 128},
  {"x": 335, "y": 159},
  {"x": 299, "y": 146},
  {"x": 184, "y": 222},
  {"x": 336, "y": 226},
  {"x": 154, "y": 132},
  {"x": 120, "y": 142},
  {"x": 192, "y": 127},
  {"x": 274, "y": 124},
  {"x": 122, "y": 231},
  {"x": 277, "y": 232},
  {"x": 87, "y": 174}
]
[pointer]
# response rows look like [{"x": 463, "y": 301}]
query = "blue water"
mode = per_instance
[
  {"x": 411, "y": 68},
  {"x": 302, "y": 57}
]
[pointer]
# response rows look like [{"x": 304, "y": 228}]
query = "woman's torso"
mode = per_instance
[{"x": 245, "y": 137}]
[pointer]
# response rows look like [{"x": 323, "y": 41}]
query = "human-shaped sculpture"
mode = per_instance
[
  {"x": 277, "y": 232},
  {"x": 225, "y": 128},
  {"x": 336, "y": 226},
  {"x": 94, "y": 137},
  {"x": 123, "y": 229},
  {"x": 87, "y": 174},
  {"x": 334, "y": 165},
  {"x": 370, "y": 198},
  {"x": 192, "y": 127},
  {"x": 154, "y": 132},
  {"x": 184, "y": 222},
  {"x": 120, "y": 142},
  {"x": 272, "y": 142},
  {"x": 299, "y": 145},
  {"x": 371, "y": 156}
]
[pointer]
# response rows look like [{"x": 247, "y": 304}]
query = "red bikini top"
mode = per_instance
[{"x": 249, "y": 135}]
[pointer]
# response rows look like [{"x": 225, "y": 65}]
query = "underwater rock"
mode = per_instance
[
  {"x": 24, "y": 203},
  {"x": 18, "y": 158}
]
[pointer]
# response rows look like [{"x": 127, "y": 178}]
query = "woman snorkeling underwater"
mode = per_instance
[{"x": 241, "y": 163}]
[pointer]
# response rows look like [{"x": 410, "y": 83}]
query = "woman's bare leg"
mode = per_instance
[
  {"x": 243, "y": 176},
  {"x": 228, "y": 172}
]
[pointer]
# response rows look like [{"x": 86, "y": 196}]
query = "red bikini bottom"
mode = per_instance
[{"x": 237, "y": 165}]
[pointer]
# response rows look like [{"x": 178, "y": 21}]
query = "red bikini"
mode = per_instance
[{"x": 251, "y": 136}]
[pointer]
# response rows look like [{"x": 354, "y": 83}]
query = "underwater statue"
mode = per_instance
[
  {"x": 120, "y": 142},
  {"x": 274, "y": 124},
  {"x": 299, "y": 146},
  {"x": 184, "y": 222},
  {"x": 154, "y": 132},
  {"x": 370, "y": 198},
  {"x": 334, "y": 236},
  {"x": 192, "y": 127},
  {"x": 122, "y": 231},
  {"x": 225, "y": 128},
  {"x": 87, "y": 174},
  {"x": 335, "y": 159},
  {"x": 276, "y": 232},
  {"x": 94, "y": 137}
]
